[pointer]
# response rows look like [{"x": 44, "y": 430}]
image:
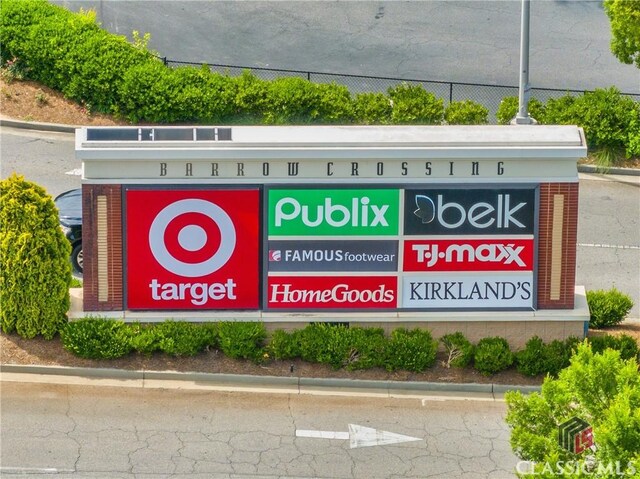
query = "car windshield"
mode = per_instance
[{"x": 70, "y": 204}]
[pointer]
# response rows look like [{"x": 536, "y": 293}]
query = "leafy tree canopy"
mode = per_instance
[{"x": 625, "y": 29}]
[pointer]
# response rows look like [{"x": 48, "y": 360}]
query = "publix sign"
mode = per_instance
[{"x": 335, "y": 212}]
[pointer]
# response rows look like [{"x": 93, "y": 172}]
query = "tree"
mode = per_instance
[
  {"x": 625, "y": 29},
  {"x": 35, "y": 271},
  {"x": 601, "y": 389}
]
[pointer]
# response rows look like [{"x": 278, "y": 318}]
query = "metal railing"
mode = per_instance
[{"x": 488, "y": 95}]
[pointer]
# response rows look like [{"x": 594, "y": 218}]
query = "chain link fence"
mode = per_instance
[{"x": 488, "y": 95}]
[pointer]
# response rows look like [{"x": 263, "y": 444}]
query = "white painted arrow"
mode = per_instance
[{"x": 359, "y": 436}]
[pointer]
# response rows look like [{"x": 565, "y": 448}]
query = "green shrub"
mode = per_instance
[
  {"x": 412, "y": 104},
  {"x": 35, "y": 275},
  {"x": 605, "y": 116},
  {"x": 557, "y": 355},
  {"x": 539, "y": 358},
  {"x": 508, "y": 109},
  {"x": 95, "y": 338},
  {"x": 367, "y": 348},
  {"x": 154, "y": 93},
  {"x": 559, "y": 111},
  {"x": 68, "y": 51},
  {"x": 372, "y": 109},
  {"x": 466, "y": 112},
  {"x": 251, "y": 98},
  {"x": 601, "y": 389},
  {"x": 458, "y": 349},
  {"x": 143, "y": 338},
  {"x": 284, "y": 345},
  {"x": 531, "y": 360},
  {"x": 184, "y": 339},
  {"x": 625, "y": 344},
  {"x": 293, "y": 100},
  {"x": 633, "y": 141},
  {"x": 412, "y": 350},
  {"x": 340, "y": 346},
  {"x": 492, "y": 355},
  {"x": 315, "y": 346},
  {"x": 607, "y": 308},
  {"x": 242, "y": 340}
]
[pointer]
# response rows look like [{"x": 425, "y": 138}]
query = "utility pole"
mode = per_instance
[{"x": 522, "y": 117}]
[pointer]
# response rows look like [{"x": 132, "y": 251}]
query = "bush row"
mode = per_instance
[
  {"x": 71, "y": 53},
  {"x": 336, "y": 345},
  {"x": 611, "y": 121}
]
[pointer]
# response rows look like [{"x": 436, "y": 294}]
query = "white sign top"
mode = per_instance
[{"x": 267, "y": 154}]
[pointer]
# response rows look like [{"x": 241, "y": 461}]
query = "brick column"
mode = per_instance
[
  {"x": 557, "y": 238},
  {"x": 102, "y": 248}
]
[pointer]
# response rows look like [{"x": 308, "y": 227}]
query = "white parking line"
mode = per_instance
[{"x": 613, "y": 246}]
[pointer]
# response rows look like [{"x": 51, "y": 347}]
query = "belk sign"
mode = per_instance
[
  {"x": 469, "y": 211},
  {"x": 192, "y": 249}
]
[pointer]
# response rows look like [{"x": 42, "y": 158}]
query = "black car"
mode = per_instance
[{"x": 69, "y": 206}]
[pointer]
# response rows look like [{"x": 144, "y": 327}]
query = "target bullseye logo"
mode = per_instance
[
  {"x": 192, "y": 248},
  {"x": 192, "y": 238}
]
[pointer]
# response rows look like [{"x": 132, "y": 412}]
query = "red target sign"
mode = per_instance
[{"x": 192, "y": 249}]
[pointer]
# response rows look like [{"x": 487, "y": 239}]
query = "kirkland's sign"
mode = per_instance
[
  {"x": 468, "y": 291},
  {"x": 469, "y": 211}
]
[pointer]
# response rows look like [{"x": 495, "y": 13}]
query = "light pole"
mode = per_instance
[{"x": 522, "y": 117}]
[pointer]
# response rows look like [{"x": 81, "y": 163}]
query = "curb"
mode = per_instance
[
  {"x": 291, "y": 385},
  {"x": 38, "y": 126},
  {"x": 608, "y": 171}
]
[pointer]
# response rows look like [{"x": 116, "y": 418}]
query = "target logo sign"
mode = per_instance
[{"x": 192, "y": 249}]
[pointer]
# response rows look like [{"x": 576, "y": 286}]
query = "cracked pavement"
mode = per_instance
[{"x": 91, "y": 432}]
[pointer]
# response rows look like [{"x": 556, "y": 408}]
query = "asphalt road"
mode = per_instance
[
  {"x": 608, "y": 226},
  {"x": 476, "y": 41},
  {"x": 89, "y": 432}
]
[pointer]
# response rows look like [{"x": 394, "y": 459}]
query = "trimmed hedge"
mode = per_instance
[
  {"x": 333, "y": 344},
  {"x": 93, "y": 338}
]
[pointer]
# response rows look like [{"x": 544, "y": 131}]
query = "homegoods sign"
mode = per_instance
[{"x": 399, "y": 248}]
